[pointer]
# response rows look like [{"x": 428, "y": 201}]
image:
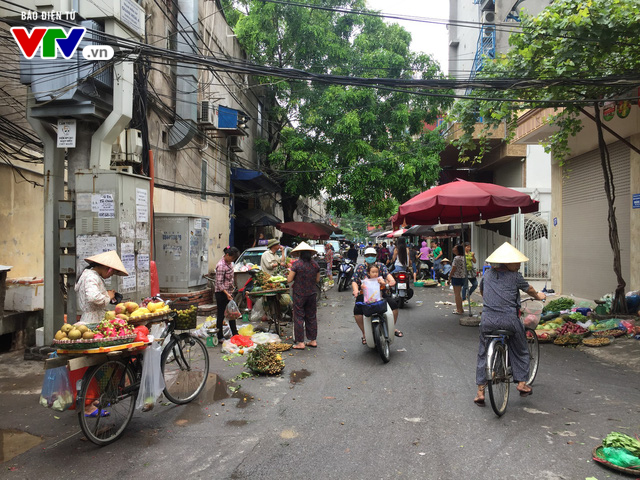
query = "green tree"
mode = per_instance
[
  {"x": 365, "y": 147},
  {"x": 574, "y": 40}
]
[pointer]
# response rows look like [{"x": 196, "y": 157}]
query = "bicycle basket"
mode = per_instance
[
  {"x": 369, "y": 309},
  {"x": 186, "y": 319}
]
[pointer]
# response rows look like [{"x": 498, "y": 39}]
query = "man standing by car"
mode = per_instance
[{"x": 272, "y": 257}]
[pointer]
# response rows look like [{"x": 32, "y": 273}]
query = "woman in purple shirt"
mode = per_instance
[{"x": 306, "y": 273}]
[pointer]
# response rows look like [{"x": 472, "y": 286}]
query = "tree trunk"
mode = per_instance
[{"x": 619, "y": 301}]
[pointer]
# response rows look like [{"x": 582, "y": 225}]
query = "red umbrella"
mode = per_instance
[
  {"x": 462, "y": 201},
  {"x": 312, "y": 230}
]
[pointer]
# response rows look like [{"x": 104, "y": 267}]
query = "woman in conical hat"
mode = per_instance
[
  {"x": 500, "y": 289},
  {"x": 93, "y": 297}
]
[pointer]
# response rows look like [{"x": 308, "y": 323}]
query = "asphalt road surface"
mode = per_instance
[{"x": 338, "y": 412}]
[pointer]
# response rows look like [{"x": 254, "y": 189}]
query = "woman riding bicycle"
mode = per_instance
[{"x": 501, "y": 298}]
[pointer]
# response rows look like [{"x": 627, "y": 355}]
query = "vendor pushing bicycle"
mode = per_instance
[{"x": 500, "y": 289}]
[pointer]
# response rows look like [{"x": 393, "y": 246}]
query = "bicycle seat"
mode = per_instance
[{"x": 500, "y": 332}]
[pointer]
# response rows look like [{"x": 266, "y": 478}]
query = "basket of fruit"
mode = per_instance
[
  {"x": 596, "y": 342},
  {"x": 186, "y": 319},
  {"x": 568, "y": 339},
  {"x": 107, "y": 333},
  {"x": 614, "y": 332},
  {"x": 265, "y": 360}
]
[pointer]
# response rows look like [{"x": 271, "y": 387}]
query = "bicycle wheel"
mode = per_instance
[
  {"x": 534, "y": 354},
  {"x": 185, "y": 367},
  {"x": 382, "y": 344},
  {"x": 112, "y": 389},
  {"x": 498, "y": 381}
]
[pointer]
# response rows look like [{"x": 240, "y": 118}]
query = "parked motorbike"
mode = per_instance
[
  {"x": 402, "y": 290},
  {"x": 378, "y": 327},
  {"x": 345, "y": 273}
]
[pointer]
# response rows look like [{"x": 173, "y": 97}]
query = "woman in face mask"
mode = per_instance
[{"x": 359, "y": 275}]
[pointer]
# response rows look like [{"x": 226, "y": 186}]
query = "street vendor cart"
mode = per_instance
[
  {"x": 109, "y": 373},
  {"x": 272, "y": 304}
]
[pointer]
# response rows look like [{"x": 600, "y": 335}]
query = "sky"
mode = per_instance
[{"x": 426, "y": 37}]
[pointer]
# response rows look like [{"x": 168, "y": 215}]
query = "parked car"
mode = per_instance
[{"x": 254, "y": 255}]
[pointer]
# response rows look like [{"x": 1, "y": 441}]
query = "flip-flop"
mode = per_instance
[
  {"x": 527, "y": 393},
  {"x": 94, "y": 414},
  {"x": 398, "y": 333},
  {"x": 311, "y": 346},
  {"x": 298, "y": 348},
  {"x": 479, "y": 402},
  {"x": 364, "y": 341}
]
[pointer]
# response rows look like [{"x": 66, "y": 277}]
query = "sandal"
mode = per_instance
[
  {"x": 364, "y": 341},
  {"x": 525, "y": 393},
  {"x": 479, "y": 400},
  {"x": 299, "y": 348},
  {"x": 94, "y": 414},
  {"x": 398, "y": 333}
]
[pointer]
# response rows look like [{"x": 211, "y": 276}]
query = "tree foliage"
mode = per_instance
[
  {"x": 365, "y": 147},
  {"x": 571, "y": 39}
]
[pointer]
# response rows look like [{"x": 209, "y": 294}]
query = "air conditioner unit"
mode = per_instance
[
  {"x": 488, "y": 17},
  {"x": 127, "y": 147},
  {"x": 208, "y": 114},
  {"x": 235, "y": 143}
]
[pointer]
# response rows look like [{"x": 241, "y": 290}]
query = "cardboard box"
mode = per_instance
[{"x": 24, "y": 294}]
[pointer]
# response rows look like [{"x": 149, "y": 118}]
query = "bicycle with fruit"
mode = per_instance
[{"x": 112, "y": 386}]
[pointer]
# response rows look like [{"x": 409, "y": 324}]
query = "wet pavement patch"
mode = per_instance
[
  {"x": 244, "y": 398},
  {"x": 15, "y": 442},
  {"x": 214, "y": 390},
  {"x": 237, "y": 423},
  {"x": 298, "y": 375}
]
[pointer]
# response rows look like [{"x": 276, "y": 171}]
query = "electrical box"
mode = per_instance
[
  {"x": 112, "y": 213},
  {"x": 181, "y": 251}
]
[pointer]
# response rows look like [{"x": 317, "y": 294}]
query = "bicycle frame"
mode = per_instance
[{"x": 502, "y": 339}]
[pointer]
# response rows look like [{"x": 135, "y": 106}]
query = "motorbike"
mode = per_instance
[
  {"x": 345, "y": 273},
  {"x": 402, "y": 290},
  {"x": 379, "y": 327}
]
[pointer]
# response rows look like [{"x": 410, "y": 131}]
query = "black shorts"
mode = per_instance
[
  {"x": 357, "y": 309},
  {"x": 457, "y": 282}
]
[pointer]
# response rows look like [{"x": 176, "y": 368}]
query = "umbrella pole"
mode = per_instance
[{"x": 464, "y": 254}]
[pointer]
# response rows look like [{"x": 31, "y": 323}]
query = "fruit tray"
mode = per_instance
[
  {"x": 596, "y": 342},
  {"x": 86, "y": 344},
  {"x": 147, "y": 317}
]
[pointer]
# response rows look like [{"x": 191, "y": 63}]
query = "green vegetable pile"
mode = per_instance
[
  {"x": 265, "y": 360},
  {"x": 558, "y": 305}
]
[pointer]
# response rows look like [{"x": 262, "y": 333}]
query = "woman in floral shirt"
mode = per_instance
[
  {"x": 306, "y": 273},
  {"x": 223, "y": 287}
]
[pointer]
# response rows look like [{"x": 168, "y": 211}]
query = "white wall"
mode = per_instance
[{"x": 538, "y": 167}]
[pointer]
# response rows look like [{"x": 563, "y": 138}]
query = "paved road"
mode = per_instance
[{"x": 338, "y": 412}]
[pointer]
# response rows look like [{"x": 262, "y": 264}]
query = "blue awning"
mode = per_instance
[{"x": 252, "y": 180}]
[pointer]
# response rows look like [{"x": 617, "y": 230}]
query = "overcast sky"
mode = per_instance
[{"x": 426, "y": 37}]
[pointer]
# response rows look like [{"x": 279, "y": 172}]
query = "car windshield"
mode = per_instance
[{"x": 250, "y": 257}]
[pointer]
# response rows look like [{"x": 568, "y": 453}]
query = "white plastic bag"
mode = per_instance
[
  {"x": 152, "y": 381},
  {"x": 257, "y": 311},
  {"x": 264, "y": 337},
  {"x": 371, "y": 290}
]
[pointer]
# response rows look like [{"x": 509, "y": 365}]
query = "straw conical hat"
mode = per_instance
[
  {"x": 506, "y": 253},
  {"x": 109, "y": 259},
  {"x": 304, "y": 246}
]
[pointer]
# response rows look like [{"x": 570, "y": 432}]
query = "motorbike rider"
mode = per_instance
[
  {"x": 352, "y": 253},
  {"x": 359, "y": 275}
]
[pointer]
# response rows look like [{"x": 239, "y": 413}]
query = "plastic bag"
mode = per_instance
[
  {"x": 157, "y": 329},
  {"x": 241, "y": 341},
  {"x": 232, "y": 312},
  {"x": 246, "y": 331},
  {"x": 56, "y": 389},
  {"x": 152, "y": 381},
  {"x": 629, "y": 325},
  {"x": 257, "y": 312},
  {"x": 371, "y": 290},
  {"x": 264, "y": 337},
  {"x": 621, "y": 457}
]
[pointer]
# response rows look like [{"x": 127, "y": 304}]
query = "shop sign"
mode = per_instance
[
  {"x": 609, "y": 111},
  {"x": 623, "y": 108},
  {"x": 636, "y": 200}
]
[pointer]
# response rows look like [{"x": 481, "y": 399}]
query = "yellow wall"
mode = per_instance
[
  {"x": 165, "y": 201},
  {"x": 21, "y": 223}
]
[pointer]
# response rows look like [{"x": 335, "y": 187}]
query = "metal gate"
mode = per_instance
[{"x": 532, "y": 239}]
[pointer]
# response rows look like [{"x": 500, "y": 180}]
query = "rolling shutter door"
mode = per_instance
[{"x": 587, "y": 258}]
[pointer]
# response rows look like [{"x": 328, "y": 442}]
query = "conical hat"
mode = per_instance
[
  {"x": 109, "y": 259},
  {"x": 303, "y": 247},
  {"x": 506, "y": 253}
]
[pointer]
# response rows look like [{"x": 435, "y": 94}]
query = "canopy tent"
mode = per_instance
[
  {"x": 311, "y": 230},
  {"x": 436, "y": 231},
  {"x": 535, "y": 226},
  {"x": 254, "y": 217}
]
